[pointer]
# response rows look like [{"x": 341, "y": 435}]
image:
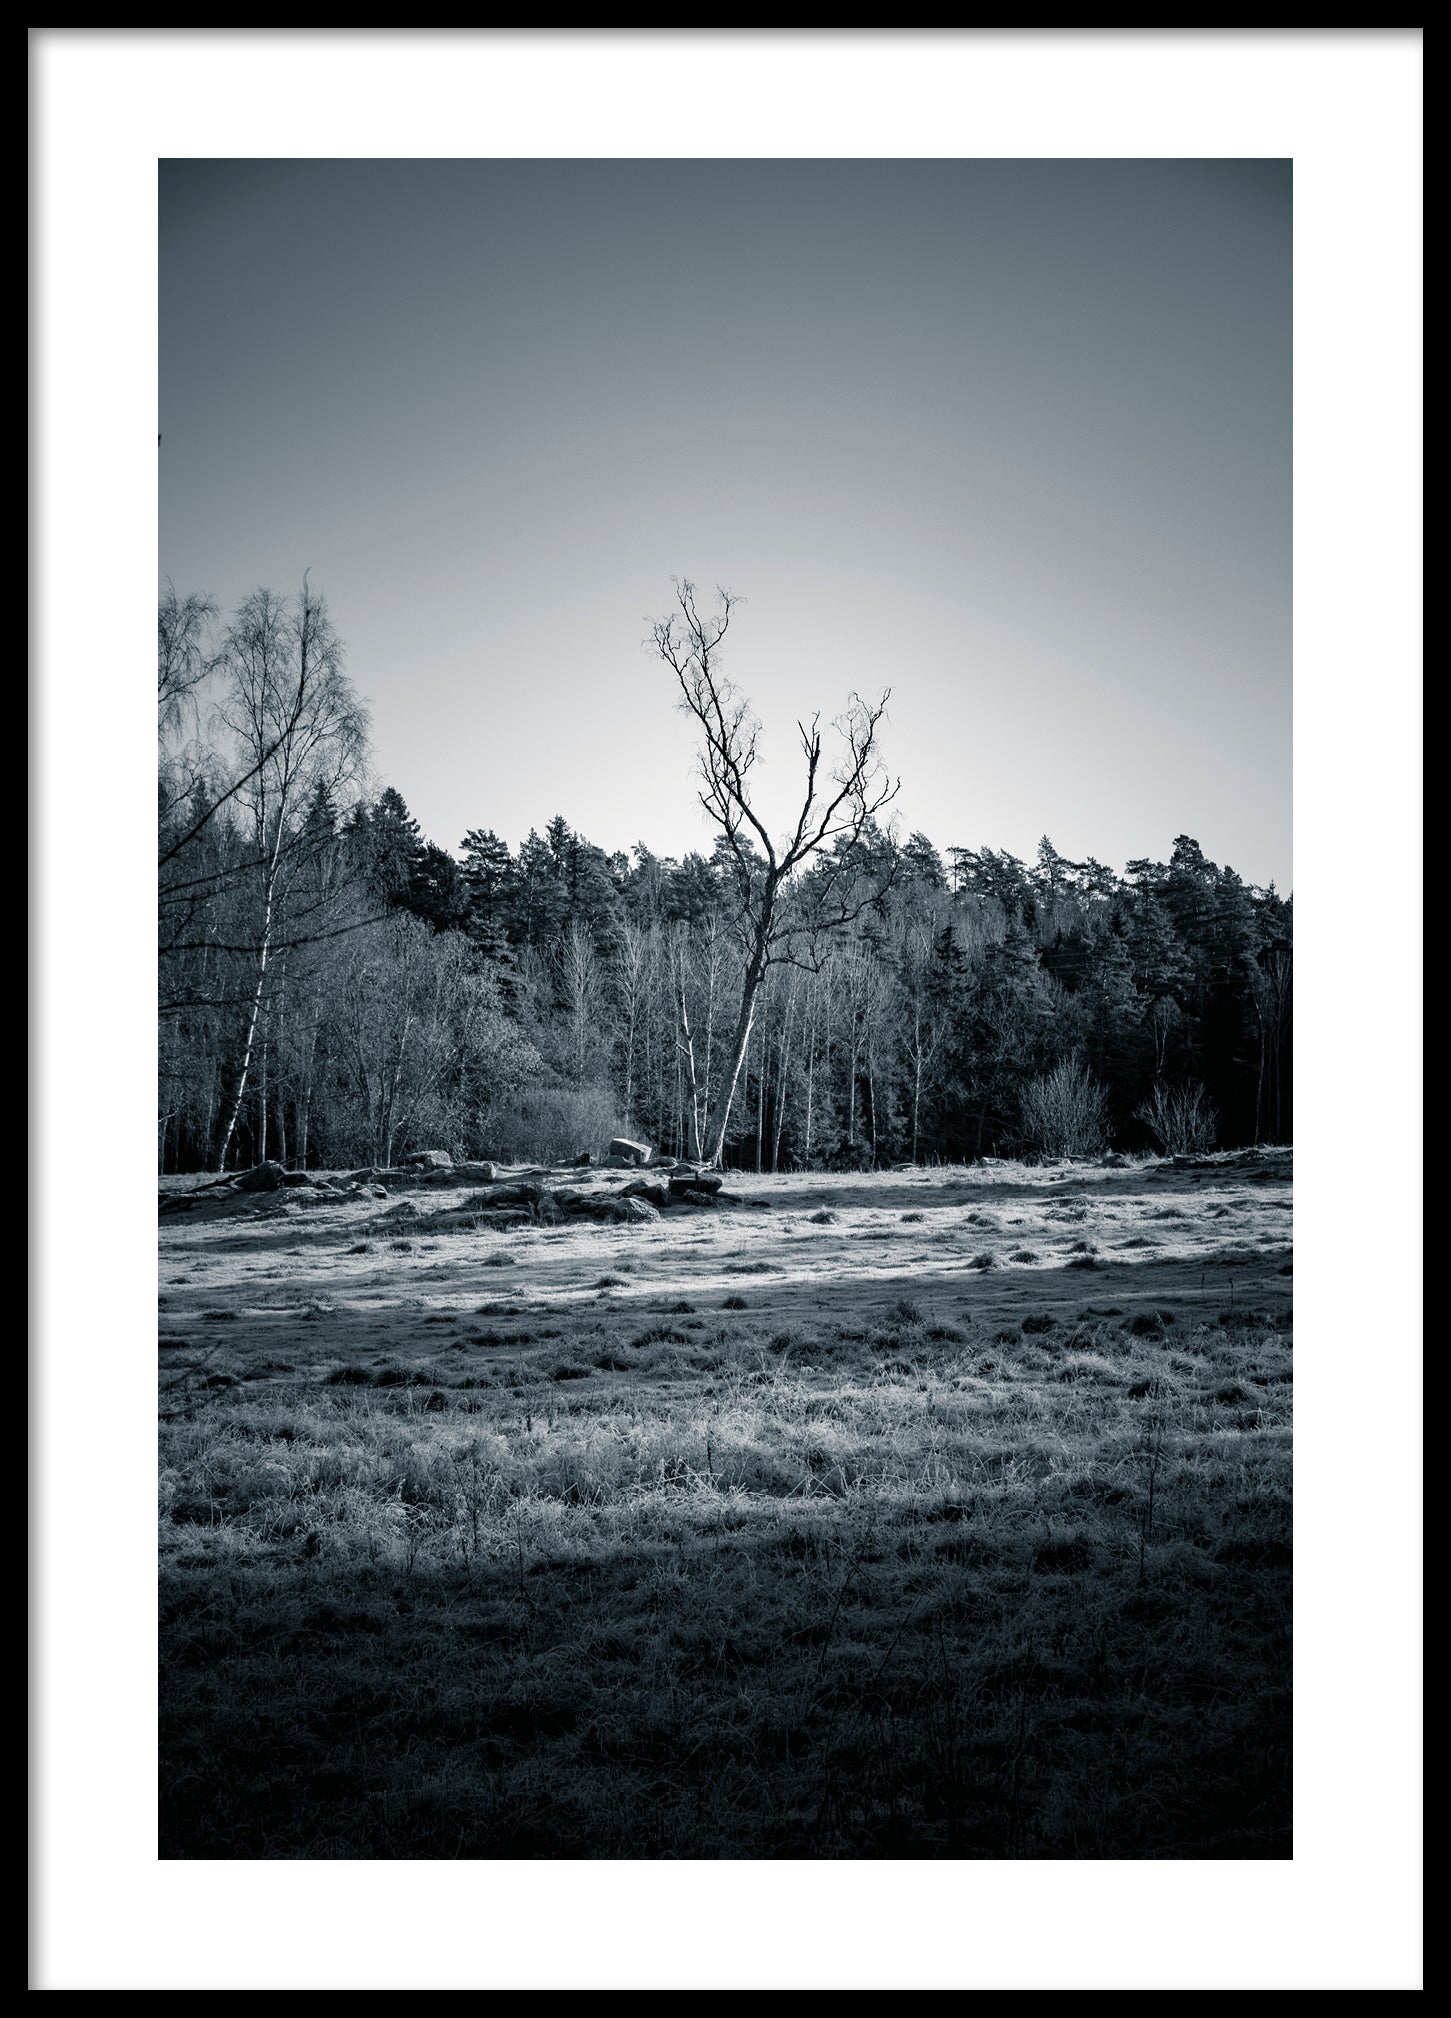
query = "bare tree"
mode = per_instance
[
  {"x": 579, "y": 980},
  {"x": 923, "y": 1034},
  {"x": 836, "y": 807},
  {"x": 628, "y": 972},
  {"x": 292, "y": 711},
  {"x": 184, "y": 656}
]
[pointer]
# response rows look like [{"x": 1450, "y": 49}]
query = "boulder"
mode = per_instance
[
  {"x": 620, "y": 1163},
  {"x": 570, "y": 1200},
  {"x": 428, "y": 1159},
  {"x": 295, "y": 1177},
  {"x": 690, "y": 1181},
  {"x": 632, "y": 1209},
  {"x": 655, "y": 1194},
  {"x": 264, "y": 1177},
  {"x": 659, "y": 1162},
  {"x": 628, "y": 1151}
]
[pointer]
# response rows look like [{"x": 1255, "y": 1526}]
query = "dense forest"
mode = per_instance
[{"x": 338, "y": 989}]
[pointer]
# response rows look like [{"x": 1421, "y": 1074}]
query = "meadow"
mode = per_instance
[{"x": 926, "y": 1513}]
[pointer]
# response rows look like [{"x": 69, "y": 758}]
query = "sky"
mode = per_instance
[{"x": 1010, "y": 438}]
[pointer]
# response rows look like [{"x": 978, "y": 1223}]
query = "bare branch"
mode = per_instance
[{"x": 688, "y": 642}]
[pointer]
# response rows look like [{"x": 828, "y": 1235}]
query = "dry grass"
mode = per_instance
[{"x": 719, "y": 1587}]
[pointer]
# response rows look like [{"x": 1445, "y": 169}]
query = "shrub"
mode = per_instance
[
  {"x": 1065, "y": 1111},
  {"x": 1180, "y": 1118},
  {"x": 547, "y": 1124}
]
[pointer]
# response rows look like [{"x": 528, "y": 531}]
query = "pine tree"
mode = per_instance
[
  {"x": 921, "y": 863},
  {"x": 693, "y": 892},
  {"x": 1010, "y": 1017},
  {"x": 1056, "y": 876},
  {"x": 488, "y": 873},
  {"x": 537, "y": 899},
  {"x": 437, "y": 892},
  {"x": 397, "y": 843},
  {"x": 944, "y": 1121},
  {"x": 1113, "y": 1015}
]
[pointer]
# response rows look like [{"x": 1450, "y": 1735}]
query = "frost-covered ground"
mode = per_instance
[
  {"x": 981, "y": 1237},
  {"x": 926, "y": 1513}
]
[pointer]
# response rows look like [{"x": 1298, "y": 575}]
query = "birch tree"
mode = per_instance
[
  {"x": 298, "y": 726},
  {"x": 839, "y": 798}
]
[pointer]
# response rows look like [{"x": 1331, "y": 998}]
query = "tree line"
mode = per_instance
[{"x": 336, "y": 988}]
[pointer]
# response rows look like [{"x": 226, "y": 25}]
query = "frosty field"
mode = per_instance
[{"x": 935, "y": 1512}]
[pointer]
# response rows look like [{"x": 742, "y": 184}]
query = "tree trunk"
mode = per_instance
[
  {"x": 782, "y": 1065},
  {"x": 687, "y": 1049},
  {"x": 761, "y": 1075},
  {"x": 630, "y": 1059},
  {"x": 810, "y": 1073},
  {"x": 916, "y": 1097},
  {"x": 241, "y": 1092},
  {"x": 262, "y": 1093},
  {"x": 750, "y": 990}
]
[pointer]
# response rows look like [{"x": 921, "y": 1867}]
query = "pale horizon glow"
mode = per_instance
[{"x": 1009, "y": 437}]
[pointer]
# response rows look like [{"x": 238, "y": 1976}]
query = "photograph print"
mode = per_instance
[{"x": 725, "y": 1098}]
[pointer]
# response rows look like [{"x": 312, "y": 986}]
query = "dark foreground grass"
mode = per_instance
[{"x": 704, "y": 1591}]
